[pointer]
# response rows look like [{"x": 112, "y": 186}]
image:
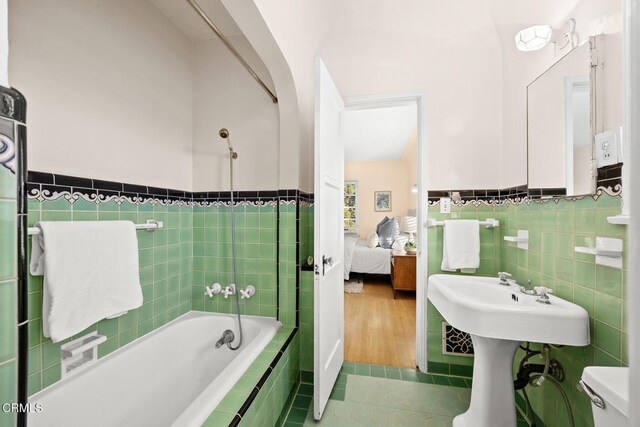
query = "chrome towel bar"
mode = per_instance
[
  {"x": 150, "y": 225},
  {"x": 489, "y": 223}
]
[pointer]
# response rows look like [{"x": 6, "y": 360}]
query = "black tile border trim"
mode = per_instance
[
  {"x": 263, "y": 379},
  {"x": 96, "y": 190},
  {"x": 517, "y": 194},
  {"x": 13, "y": 108}
]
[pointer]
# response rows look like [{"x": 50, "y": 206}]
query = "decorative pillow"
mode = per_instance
[
  {"x": 372, "y": 239},
  {"x": 388, "y": 232},
  {"x": 384, "y": 221}
]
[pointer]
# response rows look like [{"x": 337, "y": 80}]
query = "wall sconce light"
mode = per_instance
[
  {"x": 414, "y": 189},
  {"x": 538, "y": 36}
]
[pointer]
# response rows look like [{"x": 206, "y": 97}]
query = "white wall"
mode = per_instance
[
  {"x": 381, "y": 49},
  {"x": 108, "y": 86},
  {"x": 299, "y": 28},
  {"x": 592, "y": 17},
  {"x": 225, "y": 95},
  {"x": 4, "y": 44}
]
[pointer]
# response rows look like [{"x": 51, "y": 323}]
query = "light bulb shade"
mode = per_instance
[
  {"x": 534, "y": 38},
  {"x": 409, "y": 224}
]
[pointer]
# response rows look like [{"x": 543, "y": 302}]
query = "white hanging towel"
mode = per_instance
[
  {"x": 90, "y": 272},
  {"x": 461, "y": 245}
]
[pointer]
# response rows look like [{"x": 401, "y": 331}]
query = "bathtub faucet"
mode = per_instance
[
  {"x": 229, "y": 290},
  {"x": 227, "y": 338}
]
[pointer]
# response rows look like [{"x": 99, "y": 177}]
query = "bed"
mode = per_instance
[{"x": 359, "y": 258}]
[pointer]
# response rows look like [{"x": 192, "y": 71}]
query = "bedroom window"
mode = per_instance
[{"x": 351, "y": 207}]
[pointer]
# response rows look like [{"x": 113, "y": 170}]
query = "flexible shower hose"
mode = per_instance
[
  {"x": 232, "y": 156},
  {"x": 537, "y": 380}
]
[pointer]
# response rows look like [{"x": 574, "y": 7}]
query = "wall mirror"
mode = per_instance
[{"x": 567, "y": 105}]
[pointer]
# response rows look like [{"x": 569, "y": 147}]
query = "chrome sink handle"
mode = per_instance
[
  {"x": 504, "y": 278},
  {"x": 542, "y": 292}
]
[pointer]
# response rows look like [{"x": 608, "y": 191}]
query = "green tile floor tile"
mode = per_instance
[
  {"x": 392, "y": 373},
  {"x": 441, "y": 380},
  {"x": 378, "y": 371},
  {"x": 408, "y": 375}
]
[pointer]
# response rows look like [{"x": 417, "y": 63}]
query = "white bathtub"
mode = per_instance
[{"x": 172, "y": 376}]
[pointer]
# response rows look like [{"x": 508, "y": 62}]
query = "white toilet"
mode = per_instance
[{"x": 608, "y": 389}]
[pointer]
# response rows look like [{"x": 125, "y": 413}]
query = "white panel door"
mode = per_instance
[{"x": 329, "y": 238}]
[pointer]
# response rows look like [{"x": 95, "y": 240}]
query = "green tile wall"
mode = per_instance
[
  {"x": 306, "y": 320},
  {"x": 306, "y": 289},
  {"x": 166, "y": 258},
  {"x": 256, "y": 243},
  {"x": 555, "y": 227},
  {"x": 266, "y": 408},
  {"x": 287, "y": 262},
  {"x": 554, "y": 230},
  {"x": 8, "y": 288},
  {"x": 489, "y": 266},
  {"x": 306, "y": 232}
]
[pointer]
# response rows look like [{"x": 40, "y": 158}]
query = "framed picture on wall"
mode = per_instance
[{"x": 382, "y": 201}]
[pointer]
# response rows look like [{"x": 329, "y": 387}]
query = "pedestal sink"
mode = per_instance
[{"x": 499, "y": 318}]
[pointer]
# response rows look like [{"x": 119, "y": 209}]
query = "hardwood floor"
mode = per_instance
[{"x": 378, "y": 329}]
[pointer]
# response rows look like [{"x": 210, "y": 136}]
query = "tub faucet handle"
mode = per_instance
[
  {"x": 247, "y": 292},
  {"x": 229, "y": 290},
  {"x": 212, "y": 290}
]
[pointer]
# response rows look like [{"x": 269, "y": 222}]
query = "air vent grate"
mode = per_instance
[{"x": 455, "y": 342}]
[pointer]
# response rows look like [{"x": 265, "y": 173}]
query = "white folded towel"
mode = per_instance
[
  {"x": 461, "y": 246},
  {"x": 90, "y": 272}
]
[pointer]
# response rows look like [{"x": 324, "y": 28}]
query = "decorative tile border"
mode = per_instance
[
  {"x": 43, "y": 186},
  {"x": 489, "y": 198}
]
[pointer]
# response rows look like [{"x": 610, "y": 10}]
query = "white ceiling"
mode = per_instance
[
  {"x": 379, "y": 133},
  {"x": 182, "y": 15}
]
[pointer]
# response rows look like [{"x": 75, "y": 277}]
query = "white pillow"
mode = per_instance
[{"x": 372, "y": 239}]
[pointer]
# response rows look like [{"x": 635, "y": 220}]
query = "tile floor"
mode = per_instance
[{"x": 371, "y": 395}]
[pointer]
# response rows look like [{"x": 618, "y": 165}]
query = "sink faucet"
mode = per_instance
[
  {"x": 504, "y": 278},
  {"x": 227, "y": 338},
  {"x": 542, "y": 293}
]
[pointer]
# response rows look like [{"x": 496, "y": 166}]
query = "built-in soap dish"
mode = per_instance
[
  {"x": 619, "y": 219},
  {"x": 80, "y": 353},
  {"x": 608, "y": 252},
  {"x": 522, "y": 239}
]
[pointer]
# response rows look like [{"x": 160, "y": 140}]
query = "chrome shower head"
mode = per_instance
[{"x": 224, "y": 133}]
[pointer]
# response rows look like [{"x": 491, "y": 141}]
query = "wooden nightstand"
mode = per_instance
[{"x": 403, "y": 273}]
